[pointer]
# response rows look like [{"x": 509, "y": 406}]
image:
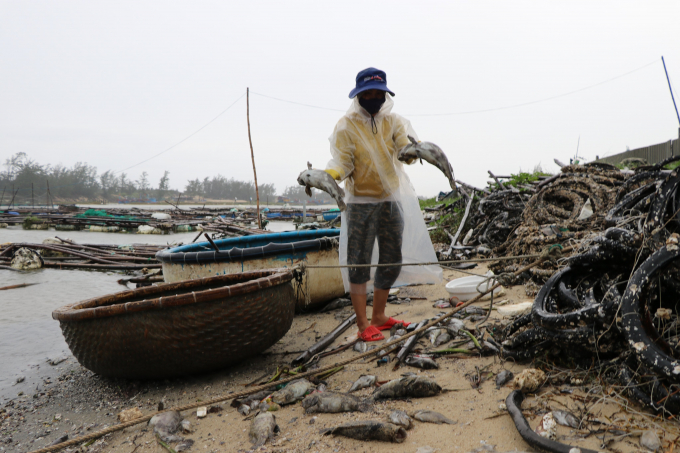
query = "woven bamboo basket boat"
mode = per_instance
[{"x": 181, "y": 328}]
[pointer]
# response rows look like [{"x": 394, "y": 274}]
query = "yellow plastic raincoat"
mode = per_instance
[{"x": 367, "y": 163}]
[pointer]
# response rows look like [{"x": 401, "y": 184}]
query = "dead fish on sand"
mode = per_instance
[
  {"x": 431, "y": 417},
  {"x": 565, "y": 418},
  {"x": 455, "y": 326},
  {"x": 321, "y": 180},
  {"x": 425, "y": 363},
  {"x": 442, "y": 338},
  {"x": 369, "y": 430},
  {"x": 262, "y": 429},
  {"x": 364, "y": 381},
  {"x": 400, "y": 418},
  {"x": 362, "y": 347},
  {"x": 332, "y": 403},
  {"x": 293, "y": 392},
  {"x": 433, "y": 334},
  {"x": 407, "y": 387},
  {"x": 503, "y": 377},
  {"x": 432, "y": 154},
  {"x": 395, "y": 328}
]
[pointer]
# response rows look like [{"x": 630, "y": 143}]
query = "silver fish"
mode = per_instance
[
  {"x": 395, "y": 328},
  {"x": 321, "y": 180},
  {"x": 503, "y": 377},
  {"x": 293, "y": 392},
  {"x": 565, "y": 418},
  {"x": 400, "y": 418},
  {"x": 369, "y": 430},
  {"x": 425, "y": 363},
  {"x": 431, "y": 417},
  {"x": 332, "y": 403},
  {"x": 262, "y": 429},
  {"x": 360, "y": 346},
  {"x": 244, "y": 410},
  {"x": 433, "y": 334},
  {"x": 407, "y": 387},
  {"x": 442, "y": 338},
  {"x": 455, "y": 326},
  {"x": 166, "y": 425},
  {"x": 363, "y": 382},
  {"x": 432, "y": 154}
]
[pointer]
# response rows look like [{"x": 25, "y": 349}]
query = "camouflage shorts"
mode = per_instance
[{"x": 365, "y": 222}]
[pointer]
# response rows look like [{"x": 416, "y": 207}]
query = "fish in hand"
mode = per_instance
[
  {"x": 431, "y": 153},
  {"x": 321, "y": 180}
]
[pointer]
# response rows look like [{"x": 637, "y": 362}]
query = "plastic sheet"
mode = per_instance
[{"x": 367, "y": 163}]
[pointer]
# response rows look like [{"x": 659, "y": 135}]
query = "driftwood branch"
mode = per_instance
[{"x": 498, "y": 181}]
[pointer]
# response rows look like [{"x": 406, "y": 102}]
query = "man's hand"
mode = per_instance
[{"x": 334, "y": 174}]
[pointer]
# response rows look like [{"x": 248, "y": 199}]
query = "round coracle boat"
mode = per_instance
[
  {"x": 264, "y": 251},
  {"x": 182, "y": 328}
]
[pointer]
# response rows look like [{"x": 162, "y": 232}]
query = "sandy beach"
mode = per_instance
[{"x": 69, "y": 400}]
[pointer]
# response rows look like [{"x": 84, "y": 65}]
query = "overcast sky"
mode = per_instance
[{"x": 115, "y": 83}]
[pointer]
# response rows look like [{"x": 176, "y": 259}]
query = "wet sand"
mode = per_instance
[{"x": 85, "y": 402}]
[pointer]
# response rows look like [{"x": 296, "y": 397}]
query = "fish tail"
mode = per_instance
[{"x": 342, "y": 205}]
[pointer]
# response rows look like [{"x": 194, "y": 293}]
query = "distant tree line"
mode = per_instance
[{"x": 28, "y": 182}]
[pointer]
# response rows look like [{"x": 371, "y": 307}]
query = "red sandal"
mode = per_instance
[
  {"x": 391, "y": 322},
  {"x": 371, "y": 334}
]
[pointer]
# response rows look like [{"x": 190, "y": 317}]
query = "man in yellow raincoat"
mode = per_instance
[{"x": 382, "y": 206}]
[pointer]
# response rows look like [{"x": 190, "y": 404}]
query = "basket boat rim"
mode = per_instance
[{"x": 189, "y": 292}]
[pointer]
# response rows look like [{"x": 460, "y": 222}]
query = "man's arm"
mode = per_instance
[
  {"x": 342, "y": 151},
  {"x": 402, "y": 130}
]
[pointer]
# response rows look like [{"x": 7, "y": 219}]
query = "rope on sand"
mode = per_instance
[{"x": 219, "y": 399}]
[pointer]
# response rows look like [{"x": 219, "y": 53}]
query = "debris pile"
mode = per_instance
[
  {"x": 566, "y": 209},
  {"x": 616, "y": 299}
]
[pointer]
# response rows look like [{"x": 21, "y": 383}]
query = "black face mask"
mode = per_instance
[{"x": 372, "y": 106}]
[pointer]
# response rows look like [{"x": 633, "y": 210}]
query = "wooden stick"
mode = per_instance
[
  {"x": 252, "y": 155},
  {"x": 217, "y": 249},
  {"x": 498, "y": 181},
  {"x": 462, "y": 224},
  {"x": 21, "y": 285}
]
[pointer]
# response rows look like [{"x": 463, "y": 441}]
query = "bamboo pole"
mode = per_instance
[
  {"x": 49, "y": 194},
  {"x": 252, "y": 155},
  {"x": 9, "y": 206}
]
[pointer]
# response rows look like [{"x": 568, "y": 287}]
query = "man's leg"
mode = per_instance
[
  {"x": 358, "y": 295},
  {"x": 390, "y": 233},
  {"x": 360, "y": 239},
  {"x": 378, "y": 318}
]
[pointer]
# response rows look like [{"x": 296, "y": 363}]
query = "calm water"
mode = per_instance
[
  {"x": 28, "y": 334},
  {"x": 165, "y": 206}
]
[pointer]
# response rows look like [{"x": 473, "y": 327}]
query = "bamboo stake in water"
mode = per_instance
[{"x": 252, "y": 155}]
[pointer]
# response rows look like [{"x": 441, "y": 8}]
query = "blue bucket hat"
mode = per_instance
[{"x": 370, "y": 79}]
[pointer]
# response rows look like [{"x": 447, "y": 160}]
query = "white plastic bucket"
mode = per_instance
[{"x": 465, "y": 288}]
